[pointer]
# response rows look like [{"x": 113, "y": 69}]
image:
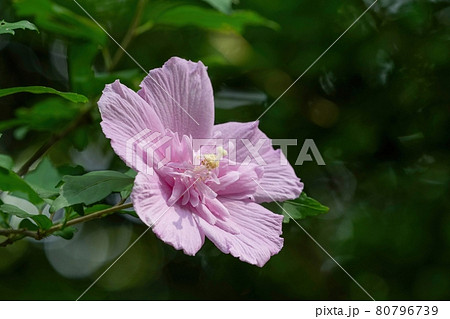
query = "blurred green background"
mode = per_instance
[{"x": 377, "y": 106}]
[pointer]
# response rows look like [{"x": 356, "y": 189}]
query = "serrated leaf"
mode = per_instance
[
  {"x": 90, "y": 188},
  {"x": 302, "y": 207},
  {"x": 11, "y": 182},
  {"x": 9, "y": 27},
  {"x": 73, "y": 97}
]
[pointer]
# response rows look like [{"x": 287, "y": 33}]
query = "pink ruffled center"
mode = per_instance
[{"x": 197, "y": 180}]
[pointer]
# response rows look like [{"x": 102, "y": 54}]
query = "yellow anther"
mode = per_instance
[
  {"x": 210, "y": 161},
  {"x": 221, "y": 152}
]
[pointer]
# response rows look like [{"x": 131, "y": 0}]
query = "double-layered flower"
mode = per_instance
[{"x": 190, "y": 186}]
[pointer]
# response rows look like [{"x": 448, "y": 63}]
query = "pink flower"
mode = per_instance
[{"x": 202, "y": 191}]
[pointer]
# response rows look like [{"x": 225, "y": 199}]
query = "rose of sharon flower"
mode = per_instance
[{"x": 195, "y": 193}]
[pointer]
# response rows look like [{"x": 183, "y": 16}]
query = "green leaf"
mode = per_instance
[
  {"x": 52, "y": 113},
  {"x": 82, "y": 78},
  {"x": 6, "y": 161},
  {"x": 66, "y": 233},
  {"x": 13, "y": 210},
  {"x": 229, "y": 99},
  {"x": 71, "y": 170},
  {"x": 44, "y": 179},
  {"x": 70, "y": 214},
  {"x": 302, "y": 207},
  {"x": 4, "y": 125},
  {"x": 27, "y": 224},
  {"x": 126, "y": 192},
  {"x": 79, "y": 209},
  {"x": 47, "y": 115},
  {"x": 131, "y": 172},
  {"x": 189, "y": 15},
  {"x": 129, "y": 212},
  {"x": 80, "y": 138},
  {"x": 60, "y": 20},
  {"x": 99, "y": 207},
  {"x": 90, "y": 188},
  {"x": 42, "y": 221},
  {"x": 9, "y": 27},
  {"x": 73, "y": 97},
  {"x": 212, "y": 20},
  {"x": 4, "y": 220},
  {"x": 11, "y": 182},
  {"x": 96, "y": 208},
  {"x": 221, "y": 5}
]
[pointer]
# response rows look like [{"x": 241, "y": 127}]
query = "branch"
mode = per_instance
[
  {"x": 52, "y": 141},
  {"x": 21, "y": 231},
  {"x": 86, "y": 218},
  {"x": 129, "y": 35},
  {"x": 17, "y": 234}
]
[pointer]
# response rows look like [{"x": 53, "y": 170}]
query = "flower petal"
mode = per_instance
[
  {"x": 259, "y": 232},
  {"x": 237, "y": 181},
  {"x": 182, "y": 96},
  {"x": 174, "y": 225},
  {"x": 278, "y": 182},
  {"x": 125, "y": 115}
]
